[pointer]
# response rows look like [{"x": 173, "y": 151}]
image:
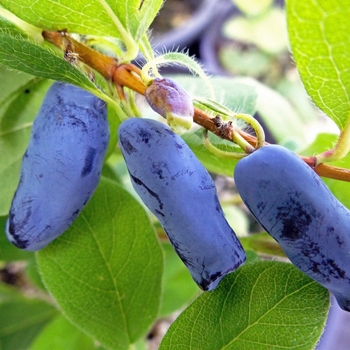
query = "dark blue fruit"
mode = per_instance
[
  {"x": 297, "y": 209},
  {"x": 179, "y": 191},
  {"x": 61, "y": 167}
]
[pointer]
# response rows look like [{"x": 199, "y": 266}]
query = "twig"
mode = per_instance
[{"x": 128, "y": 75}]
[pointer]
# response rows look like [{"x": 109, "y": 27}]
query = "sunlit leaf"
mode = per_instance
[
  {"x": 263, "y": 305},
  {"x": 101, "y": 17},
  {"x": 105, "y": 271},
  {"x": 320, "y": 43}
]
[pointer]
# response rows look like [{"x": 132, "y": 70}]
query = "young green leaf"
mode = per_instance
[
  {"x": 263, "y": 305},
  {"x": 105, "y": 271},
  {"x": 319, "y": 39}
]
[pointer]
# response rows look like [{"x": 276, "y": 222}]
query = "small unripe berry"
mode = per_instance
[{"x": 172, "y": 102}]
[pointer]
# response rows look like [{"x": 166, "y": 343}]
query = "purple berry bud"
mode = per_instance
[{"x": 171, "y": 101}]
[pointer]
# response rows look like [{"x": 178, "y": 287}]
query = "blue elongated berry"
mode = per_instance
[
  {"x": 61, "y": 167},
  {"x": 179, "y": 191},
  {"x": 297, "y": 209}
]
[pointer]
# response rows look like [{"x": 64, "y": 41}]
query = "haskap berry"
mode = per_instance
[{"x": 61, "y": 167}]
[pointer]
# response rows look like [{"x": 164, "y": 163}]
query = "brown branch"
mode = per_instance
[
  {"x": 103, "y": 64},
  {"x": 329, "y": 171},
  {"x": 128, "y": 75}
]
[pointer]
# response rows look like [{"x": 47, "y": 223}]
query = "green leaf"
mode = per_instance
[
  {"x": 61, "y": 334},
  {"x": 209, "y": 160},
  {"x": 126, "y": 11},
  {"x": 105, "y": 271},
  {"x": 21, "y": 320},
  {"x": 33, "y": 275},
  {"x": 12, "y": 25},
  {"x": 25, "y": 56},
  {"x": 179, "y": 287},
  {"x": 139, "y": 345},
  {"x": 12, "y": 80},
  {"x": 7, "y": 26},
  {"x": 148, "y": 11},
  {"x": 99, "y": 18},
  {"x": 146, "y": 48},
  {"x": 8, "y": 293},
  {"x": 18, "y": 109},
  {"x": 263, "y": 305},
  {"x": 251, "y": 256},
  {"x": 75, "y": 16},
  {"x": 320, "y": 42}
]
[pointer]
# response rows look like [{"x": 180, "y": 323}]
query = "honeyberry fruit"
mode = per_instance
[
  {"x": 298, "y": 210},
  {"x": 179, "y": 191},
  {"x": 61, "y": 167}
]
